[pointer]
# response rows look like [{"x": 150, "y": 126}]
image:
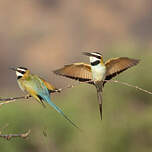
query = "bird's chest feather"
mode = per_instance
[
  {"x": 33, "y": 85},
  {"x": 21, "y": 85},
  {"x": 98, "y": 72}
]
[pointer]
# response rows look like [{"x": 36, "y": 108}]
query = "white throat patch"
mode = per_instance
[{"x": 18, "y": 74}]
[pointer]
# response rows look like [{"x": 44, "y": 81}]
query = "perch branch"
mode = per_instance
[
  {"x": 4, "y": 101},
  {"x": 123, "y": 83},
  {"x": 12, "y": 99},
  {"x": 9, "y": 136},
  {"x": 130, "y": 85}
]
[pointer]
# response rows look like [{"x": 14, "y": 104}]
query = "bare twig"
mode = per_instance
[
  {"x": 67, "y": 87},
  {"x": 130, "y": 85},
  {"x": 123, "y": 83},
  {"x": 14, "y": 99},
  {"x": 9, "y": 136}
]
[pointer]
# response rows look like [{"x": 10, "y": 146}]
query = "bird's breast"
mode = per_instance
[
  {"x": 21, "y": 85},
  {"x": 98, "y": 72}
]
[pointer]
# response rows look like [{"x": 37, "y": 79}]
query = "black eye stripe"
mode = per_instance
[
  {"x": 97, "y": 53},
  {"x": 95, "y": 63},
  {"x": 19, "y": 77},
  {"x": 96, "y": 56},
  {"x": 22, "y": 72}
]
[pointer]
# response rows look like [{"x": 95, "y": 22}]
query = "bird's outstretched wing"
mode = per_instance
[
  {"x": 117, "y": 65},
  {"x": 77, "y": 71}
]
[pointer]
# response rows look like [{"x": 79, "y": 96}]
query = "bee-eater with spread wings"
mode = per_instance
[
  {"x": 97, "y": 72},
  {"x": 38, "y": 88}
]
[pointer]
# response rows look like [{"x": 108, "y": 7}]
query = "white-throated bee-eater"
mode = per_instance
[
  {"x": 38, "y": 88},
  {"x": 97, "y": 72}
]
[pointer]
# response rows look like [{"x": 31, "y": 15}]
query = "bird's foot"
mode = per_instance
[
  {"x": 27, "y": 96},
  {"x": 58, "y": 90}
]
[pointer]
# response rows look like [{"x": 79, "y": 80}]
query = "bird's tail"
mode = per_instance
[
  {"x": 99, "y": 96},
  {"x": 62, "y": 113}
]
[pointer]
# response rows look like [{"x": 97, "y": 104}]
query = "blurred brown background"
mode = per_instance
[{"x": 46, "y": 34}]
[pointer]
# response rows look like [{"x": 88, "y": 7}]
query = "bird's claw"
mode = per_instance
[
  {"x": 27, "y": 96},
  {"x": 58, "y": 90}
]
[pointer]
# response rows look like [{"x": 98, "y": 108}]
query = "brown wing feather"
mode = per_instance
[
  {"x": 118, "y": 65},
  {"x": 77, "y": 71}
]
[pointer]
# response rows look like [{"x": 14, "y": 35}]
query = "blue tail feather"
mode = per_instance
[{"x": 61, "y": 112}]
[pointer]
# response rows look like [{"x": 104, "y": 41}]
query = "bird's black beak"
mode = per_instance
[
  {"x": 14, "y": 69},
  {"x": 87, "y": 53}
]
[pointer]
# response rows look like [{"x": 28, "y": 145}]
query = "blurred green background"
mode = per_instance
[{"x": 46, "y": 34}]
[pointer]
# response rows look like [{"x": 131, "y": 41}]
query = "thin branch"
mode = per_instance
[
  {"x": 67, "y": 87},
  {"x": 14, "y": 99},
  {"x": 123, "y": 83},
  {"x": 9, "y": 136},
  {"x": 130, "y": 85}
]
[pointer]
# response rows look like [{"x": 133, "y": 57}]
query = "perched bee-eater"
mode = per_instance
[
  {"x": 97, "y": 72},
  {"x": 38, "y": 88}
]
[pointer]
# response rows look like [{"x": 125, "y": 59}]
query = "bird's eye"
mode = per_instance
[{"x": 22, "y": 72}]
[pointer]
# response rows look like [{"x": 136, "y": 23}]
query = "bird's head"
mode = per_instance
[
  {"x": 21, "y": 72},
  {"x": 95, "y": 57}
]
